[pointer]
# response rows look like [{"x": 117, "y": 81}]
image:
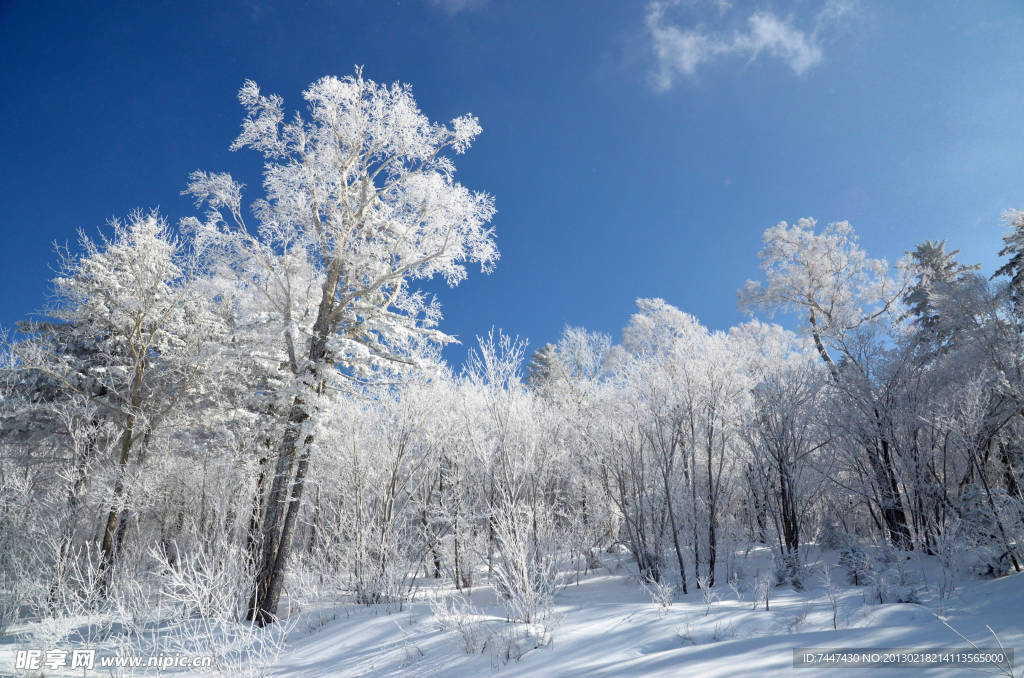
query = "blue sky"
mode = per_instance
[{"x": 635, "y": 149}]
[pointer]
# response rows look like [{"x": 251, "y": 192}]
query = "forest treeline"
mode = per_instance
[{"x": 259, "y": 392}]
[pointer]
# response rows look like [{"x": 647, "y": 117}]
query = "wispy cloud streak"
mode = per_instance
[{"x": 682, "y": 50}]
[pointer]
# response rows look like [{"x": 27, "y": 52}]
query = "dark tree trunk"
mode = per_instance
[{"x": 262, "y": 608}]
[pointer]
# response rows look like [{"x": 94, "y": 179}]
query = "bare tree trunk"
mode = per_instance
[
  {"x": 712, "y": 513},
  {"x": 675, "y": 539},
  {"x": 109, "y": 545},
  {"x": 790, "y": 522},
  {"x": 284, "y": 549},
  {"x": 893, "y": 513},
  {"x": 255, "y": 520},
  {"x": 107, "y": 549},
  {"x": 278, "y": 535},
  {"x": 261, "y": 610}
]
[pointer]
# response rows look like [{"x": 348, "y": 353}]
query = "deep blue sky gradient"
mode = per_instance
[{"x": 911, "y": 127}]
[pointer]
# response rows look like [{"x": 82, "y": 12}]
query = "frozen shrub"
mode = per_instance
[
  {"x": 662, "y": 594},
  {"x": 986, "y": 529},
  {"x": 788, "y": 570},
  {"x": 736, "y": 584},
  {"x": 905, "y": 594},
  {"x": 525, "y": 574},
  {"x": 707, "y": 592},
  {"x": 907, "y": 581},
  {"x": 456, "y": 614},
  {"x": 763, "y": 588},
  {"x": 857, "y": 563},
  {"x": 832, "y": 593}
]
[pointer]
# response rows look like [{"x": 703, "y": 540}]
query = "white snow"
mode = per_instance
[{"x": 610, "y": 627}]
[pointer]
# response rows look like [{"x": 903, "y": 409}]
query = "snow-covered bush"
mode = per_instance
[
  {"x": 456, "y": 614},
  {"x": 736, "y": 584},
  {"x": 208, "y": 593},
  {"x": 992, "y": 528},
  {"x": 19, "y": 584},
  {"x": 525, "y": 573},
  {"x": 789, "y": 570},
  {"x": 857, "y": 562},
  {"x": 832, "y": 592},
  {"x": 906, "y": 585},
  {"x": 832, "y": 536},
  {"x": 662, "y": 594},
  {"x": 707, "y": 592},
  {"x": 764, "y": 586},
  {"x": 949, "y": 546}
]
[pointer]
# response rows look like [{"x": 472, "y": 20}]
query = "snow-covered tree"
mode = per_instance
[
  {"x": 1013, "y": 247},
  {"x": 845, "y": 297},
  {"x": 361, "y": 202},
  {"x": 126, "y": 336},
  {"x": 935, "y": 272},
  {"x": 786, "y": 430}
]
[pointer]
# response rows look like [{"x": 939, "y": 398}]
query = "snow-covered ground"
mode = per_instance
[{"x": 608, "y": 625}]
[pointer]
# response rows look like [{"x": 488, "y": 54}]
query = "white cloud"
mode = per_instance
[
  {"x": 779, "y": 39},
  {"x": 681, "y": 50},
  {"x": 456, "y": 6}
]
